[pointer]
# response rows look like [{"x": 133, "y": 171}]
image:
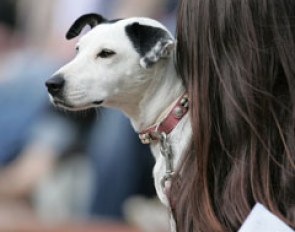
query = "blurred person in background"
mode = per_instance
[{"x": 32, "y": 134}]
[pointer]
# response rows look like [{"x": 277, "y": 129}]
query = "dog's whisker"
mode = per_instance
[
  {"x": 78, "y": 90},
  {"x": 73, "y": 92},
  {"x": 75, "y": 98}
]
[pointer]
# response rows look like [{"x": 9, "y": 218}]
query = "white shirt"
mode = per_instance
[{"x": 262, "y": 220}]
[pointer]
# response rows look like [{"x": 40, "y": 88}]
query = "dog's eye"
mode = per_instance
[{"x": 106, "y": 53}]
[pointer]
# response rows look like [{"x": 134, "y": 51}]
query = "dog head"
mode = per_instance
[{"x": 114, "y": 62}]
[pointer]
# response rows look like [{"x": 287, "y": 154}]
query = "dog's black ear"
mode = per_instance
[
  {"x": 89, "y": 19},
  {"x": 152, "y": 43}
]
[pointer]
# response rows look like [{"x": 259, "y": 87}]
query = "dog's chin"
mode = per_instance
[{"x": 72, "y": 107}]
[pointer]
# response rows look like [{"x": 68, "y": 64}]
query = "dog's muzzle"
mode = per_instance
[{"x": 55, "y": 85}]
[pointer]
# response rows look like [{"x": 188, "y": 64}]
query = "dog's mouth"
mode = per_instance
[{"x": 63, "y": 104}]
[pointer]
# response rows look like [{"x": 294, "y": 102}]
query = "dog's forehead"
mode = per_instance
[
  {"x": 115, "y": 31},
  {"x": 104, "y": 33}
]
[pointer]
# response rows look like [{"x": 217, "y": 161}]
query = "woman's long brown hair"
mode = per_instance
[{"x": 237, "y": 61}]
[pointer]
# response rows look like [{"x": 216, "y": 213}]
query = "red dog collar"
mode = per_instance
[{"x": 154, "y": 132}]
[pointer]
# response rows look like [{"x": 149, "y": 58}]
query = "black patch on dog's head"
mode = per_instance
[
  {"x": 152, "y": 43},
  {"x": 144, "y": 37}
]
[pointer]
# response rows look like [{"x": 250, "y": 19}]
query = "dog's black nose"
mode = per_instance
[{"x": 55, "y": 84}]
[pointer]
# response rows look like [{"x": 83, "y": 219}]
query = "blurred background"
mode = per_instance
[{"x": 62, "y": 171}]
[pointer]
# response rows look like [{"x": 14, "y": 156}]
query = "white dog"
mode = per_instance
[{"x": 129, "y": 64}]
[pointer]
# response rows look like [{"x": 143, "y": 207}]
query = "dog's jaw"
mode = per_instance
[{"x": 66, "y": 106}]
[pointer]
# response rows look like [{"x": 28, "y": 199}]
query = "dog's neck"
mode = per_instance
[{"x": 163, "y": 89}]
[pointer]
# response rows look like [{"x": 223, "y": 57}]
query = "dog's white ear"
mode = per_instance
[
  {"x": 152, "y": 43},
  {"x": 89, "y": 19}
]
